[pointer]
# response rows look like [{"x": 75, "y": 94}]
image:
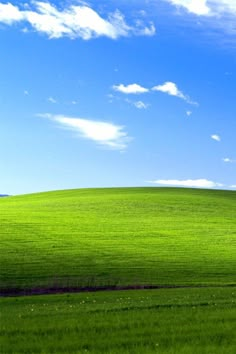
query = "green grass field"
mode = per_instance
[
  {"x": 118, "y": 237},
  {"x": 180, "y": 321}
]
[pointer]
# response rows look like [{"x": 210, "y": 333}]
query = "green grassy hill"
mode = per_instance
[{"x": 120, "y": 236}]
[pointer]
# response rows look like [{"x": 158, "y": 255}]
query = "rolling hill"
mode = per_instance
[{"x": 118, "y": 237}]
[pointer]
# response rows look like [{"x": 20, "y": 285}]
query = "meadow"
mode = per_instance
[
  {"x": 169, "y": 321},
  {"x": 126, "y": 236},
  {"x": 182, "y": 240}
]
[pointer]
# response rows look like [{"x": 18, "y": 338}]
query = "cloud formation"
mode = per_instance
[
  {"x": 104, "y": 133},
  {"x": 168, "y": 87},
  {"x": 216, "y": 13},
  {"x": 206, "y": 7},
  {"x": 216, "y": 137},
  {"x": 171, "y": 89},
  {"x": 76, "y": 21},
  {"x": 130, "y": 89},
  {"x": 198, "y": 7},
  {"x": 228, "y": 160},
  {"x": 140, "y": 105},
  {"x": 192, "y": 183},
  {"x": 52, "y": 100}
]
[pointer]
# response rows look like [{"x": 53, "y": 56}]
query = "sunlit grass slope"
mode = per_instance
[{"x": 120, "y": 236}]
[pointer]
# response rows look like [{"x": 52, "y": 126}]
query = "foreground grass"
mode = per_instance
[
  {"x": 144, "y": 321},
  {"x": 118, "y": 237}
]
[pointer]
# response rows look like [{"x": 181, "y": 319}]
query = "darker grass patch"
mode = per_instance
[{"x": 67, "y": 290}]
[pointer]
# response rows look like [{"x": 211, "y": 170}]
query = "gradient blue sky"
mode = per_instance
[{"x": 117, "y": 93}]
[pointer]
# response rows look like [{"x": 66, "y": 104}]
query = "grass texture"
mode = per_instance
[
  {"x": 120, "y": 236},
  {"x": 169, "y": 321}
]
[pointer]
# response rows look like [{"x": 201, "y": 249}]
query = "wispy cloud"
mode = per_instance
[
  {"x": 216, "y": 137},
  {"x": 233, "y": 186},
  {"x": 141, "y": 105},
  {"x": 138, "y": 104},
  {"x": 104, "y": 133},
  {"x": 171, "y": 89},
  {"x": 75, "y": 21},
  {"x": 130, "y": 89},
  {"x": 52, "y": 100},
  {"x": 228, "y": 160},
  {"x": 217, "y": 13},
  {"x": 198, "y": 7},
  {"x": 189, "y": 113},
  {"x": 192, "y": 183},
  {"x": 206, "y": 7}
]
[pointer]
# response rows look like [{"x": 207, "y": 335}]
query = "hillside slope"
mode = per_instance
[{"x": 120, "y": 236}]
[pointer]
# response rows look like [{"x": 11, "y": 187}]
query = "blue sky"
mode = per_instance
[{"x": 117, "y": 93}]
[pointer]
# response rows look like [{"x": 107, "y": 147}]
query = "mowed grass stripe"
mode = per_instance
[{"x": 120, "y": 236}]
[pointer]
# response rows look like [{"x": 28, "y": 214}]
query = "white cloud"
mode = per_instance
[
  {"x": 198, "y": 7},
  {"x": 228, "y": 160},
  {"x": 141, "y": 105},
  {"x": 75, "y": 21},
  {"x": 130, "y": 89},
  {"x": 26, "y": 93},
  {"x": 217, "y": 13},
  {"x": 233, "y": 186},
  {"x": 10, "y": 14},
  {"x": 189, "y": 113},
  {"x": 222, "y": 6},
  {"x": 52, "y": 100},
  {"x": 216, "y": 137},
  {"x": 148, "y": 31},
  {"x": 171, "y": 89},
  {"x": 104, "y": 133},
  {"x": 138, "y": 104},
  {"x": 206, "y": 7},
  {"x": 194, "y": 183},
  {"x": 168, "y": 87},
  {"x": 229, "y": 5}
]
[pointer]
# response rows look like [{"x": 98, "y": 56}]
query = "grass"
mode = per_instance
[
  {"x": 169, "y": 321},
  {"x": 118, "y": 237},
  {"x": 160, "y": 236}
]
